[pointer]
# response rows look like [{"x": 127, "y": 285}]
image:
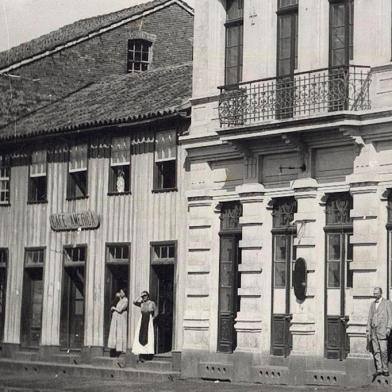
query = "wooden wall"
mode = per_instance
[{"x": 138, "y": 218}]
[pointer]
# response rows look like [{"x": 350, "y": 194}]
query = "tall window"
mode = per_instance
[
  {"x": 165, "y": 160},
  {"x": 234, "y": 41},
  {"x": 120, "y": 165},
  {"x": 287, "y": 36},
  {"x": 139, "y": 55},
  {"x": 341, "y": 32},
  {"x": 339, "y": 249},
  {"x": 77, "y": 172},
  {"x": 5, "y": 172},
  {"x": 37, "y": 177}
]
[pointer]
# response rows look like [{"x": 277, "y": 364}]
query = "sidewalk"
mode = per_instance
[{"x": 16, "y": 382}]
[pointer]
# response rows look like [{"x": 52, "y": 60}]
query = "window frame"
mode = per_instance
[
  {"x": 132, "y": 62},
  {"x": 67, "y": 263},
  {"x": 157, "y": 188},
  {"x": 34, "y": 249},
  {"x": 233, "y": 23},
  {"x": 30, "y": 179},
  {"x": 108, "y": 261},
  {"x": 167, "y": 260},
  {"x": 7, "y": 158},
  {"x": 111, "y": 182},
  {"x": 70, "y": 196},
  {"x": 348, "y": 31}
]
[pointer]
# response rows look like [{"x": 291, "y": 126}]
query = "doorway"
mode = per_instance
[
  {"x": 162, "y": 290},
  {"x": 73, "y": 298},
  {"x": 32, "y": 299},
  {"x": 116, "y": 278},
  {"x": 338, "y": 274},
  {"x": 3, "y": 289},
  {"x": 284, "y": 255},
  {"x": 229, "y": 282}
]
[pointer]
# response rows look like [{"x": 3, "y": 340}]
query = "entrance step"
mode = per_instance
[
  {"x": 66, "y": 358},
  {"x": 26, "y": 355},
  {"x": 109, "y": 362},
  {"x": 156, "y": 365},
  {"x": 52, "y": 368}
]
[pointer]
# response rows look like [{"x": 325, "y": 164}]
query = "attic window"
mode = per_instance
[{"x": 139, "y": 55}]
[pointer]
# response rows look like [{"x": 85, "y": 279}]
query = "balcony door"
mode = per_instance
[
  {"x": 339, "y": 277},
  {"x": 229, "y": 258},
  {"x": 283, "y": 234},
  {"x": 3, "y": 289},
  {"x": 340, "y": 52},
  {"x": 287, "y": 53}
]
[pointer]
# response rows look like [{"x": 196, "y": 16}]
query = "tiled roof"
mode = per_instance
[
  {"x": 116, "y": 99},
  {"x": 74, "y": 31}
]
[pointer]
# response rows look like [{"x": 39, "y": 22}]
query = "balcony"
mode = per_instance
[{"x": 300, "y": 95}]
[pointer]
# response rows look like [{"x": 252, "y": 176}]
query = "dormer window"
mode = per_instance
[{"x": 139, "y": 55}]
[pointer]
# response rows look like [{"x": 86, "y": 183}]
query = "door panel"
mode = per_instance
[
  {"x": 32, "y": 307},
  {"x": 228, "y": 292},
  {"x": 281, "y": 336},
  {"x": 72, "y": 308},
  {"x": 3, "y": 289},
  {"x": 164, "y": 294}
]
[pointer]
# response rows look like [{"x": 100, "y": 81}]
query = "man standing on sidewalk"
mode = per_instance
[{"x": 378, "y": 330}]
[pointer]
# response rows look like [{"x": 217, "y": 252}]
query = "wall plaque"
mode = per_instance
[{"x": 74, "y": 221}]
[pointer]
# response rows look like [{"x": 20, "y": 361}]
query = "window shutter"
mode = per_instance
[
  {"x": 78, "y": 158},
  {"x": 38, "y": 164},
  {"x": 165, "y": 146},
  {"x": 121, "y": 151}
]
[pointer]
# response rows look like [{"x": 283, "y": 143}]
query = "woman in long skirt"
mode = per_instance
[
  {"x": 143, "y": 344},
  {"x": 118, "y": 327}
]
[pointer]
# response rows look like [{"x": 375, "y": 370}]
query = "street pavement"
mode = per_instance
[{"x": 15, "y": 382}]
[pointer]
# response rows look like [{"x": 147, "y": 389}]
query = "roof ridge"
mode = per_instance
[{"x": 58, "y": 44}]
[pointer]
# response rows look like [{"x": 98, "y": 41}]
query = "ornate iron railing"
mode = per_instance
[{"x": 301, "y": 94}]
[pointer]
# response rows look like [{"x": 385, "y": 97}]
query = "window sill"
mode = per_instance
[
  {"x": 119, "y": 193},
  {"x": 165, "y": 190},
  {"x": 5, "y": 204},
  {"x": 76, "y": 198},
  {"x": 37, "y": 202}
]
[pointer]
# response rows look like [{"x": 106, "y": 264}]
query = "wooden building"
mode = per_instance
[
  {"x": 290, "y": 175},
  {"x": 92, "y": 180}
]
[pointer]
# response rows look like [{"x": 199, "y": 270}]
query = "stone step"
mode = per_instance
[
  {"x": 157, "y": 365},
  {"x": 66, "y": 358},
  {"x": 109, "y": 362},
  {"x": 54, "y": 369},
  {"x": 26, "y": 355}
]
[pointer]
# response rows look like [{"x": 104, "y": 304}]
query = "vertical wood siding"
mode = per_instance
[{"x": 139, "y": 218}]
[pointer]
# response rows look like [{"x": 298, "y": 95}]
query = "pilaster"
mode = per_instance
[
  {"x": 198, "y": 301},
  {"x": 305, "y": 313},
  {"x": 250, "y": 317},
  {"x": 369, "y": 270}
]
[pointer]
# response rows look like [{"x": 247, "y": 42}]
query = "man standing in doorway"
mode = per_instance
[{"x": 378, "y": 330}]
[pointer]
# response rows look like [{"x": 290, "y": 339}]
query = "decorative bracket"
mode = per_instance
[{"x": 356, "y": 136}]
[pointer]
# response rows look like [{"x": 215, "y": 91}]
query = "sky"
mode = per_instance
[{"x": 23, "y": 20}]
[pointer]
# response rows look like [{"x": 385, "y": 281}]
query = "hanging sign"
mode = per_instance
[
  {"x": 300, "y": 279},
  {"x": 74, "y": 221}
]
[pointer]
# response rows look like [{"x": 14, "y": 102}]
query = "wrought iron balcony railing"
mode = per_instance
[{"x": 301, "y": 94}]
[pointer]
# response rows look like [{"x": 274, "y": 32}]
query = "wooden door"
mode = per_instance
[
  {"x": 283, "y": 258},
  {"x": 163, "y": 282},
  {"x": 32, "y": 302},
  {"x": 72, "y": 308},
  {"x": 116, "y": 278},
  {"x": 339, "y": 281},
  {"x": 228, "y": 291},
  {"x": 3, "y": 292}
]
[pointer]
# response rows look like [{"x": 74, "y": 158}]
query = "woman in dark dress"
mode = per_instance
[{"x": 143, "y": 344}]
